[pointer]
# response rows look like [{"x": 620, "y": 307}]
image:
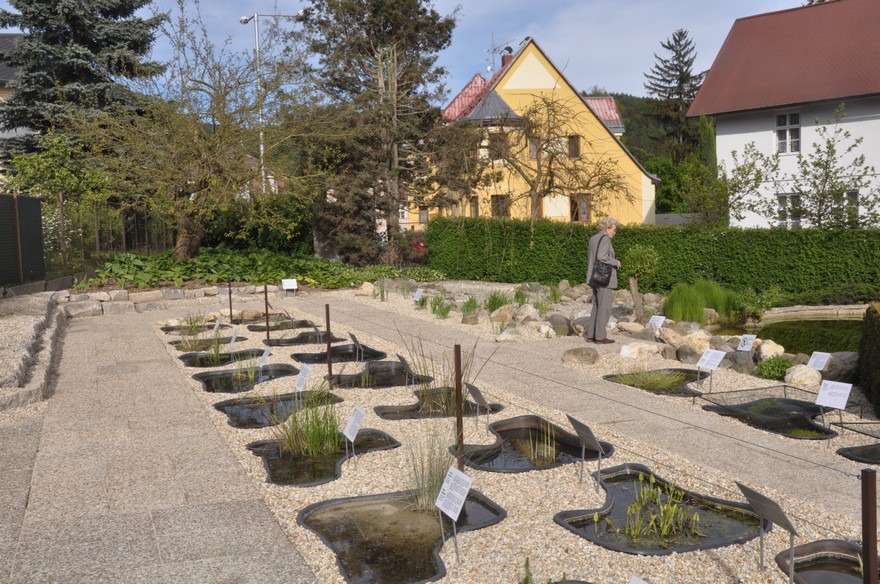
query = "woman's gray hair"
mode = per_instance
[{"x": 607, "y": 222}]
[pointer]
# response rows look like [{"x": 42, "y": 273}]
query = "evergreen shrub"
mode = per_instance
[{"x": 869, "y": 356}]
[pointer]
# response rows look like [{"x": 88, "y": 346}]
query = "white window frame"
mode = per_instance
[
  {"x": 785, "y": 203},
  {"x": 787, "y": 130}
]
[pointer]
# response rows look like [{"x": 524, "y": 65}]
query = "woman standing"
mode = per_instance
[{"x": 601, "y": 250}]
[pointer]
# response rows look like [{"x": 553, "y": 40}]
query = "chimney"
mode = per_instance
[{"x": 506, "y": 57}]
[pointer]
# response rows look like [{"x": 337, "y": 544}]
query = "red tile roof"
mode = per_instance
[
  {"x": 462, "y": 104},
  {"x": 606, "y": 110},
  {"x": 825, "y": 51}
]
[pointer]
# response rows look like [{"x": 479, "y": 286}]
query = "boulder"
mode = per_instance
[
  {"x": 842, "y": 366},
  {"x": 586, "y": 355},
  {"x": 248, "y": 314},
  {"x": 366, "y": 289},
  {"x": 511, "y": 334},
  {"x": 718, "y": 343},
  {"x": 172, "y": 294},
  {"x": 560, "y": 323},
  {"x": 99, "y": 296},
  {"x": 710, "y": 316},
  {"x": 641, "y": 350},
  {"x": 742, "y": 361},
  {"x": 579, "y": 325},
  {"x": 804, "y": 377},
  {"x": 671, "y": 337},
  {"x": 699, "y": 340},
  {"x": 121, "y": 307},
  {"x": 503, "y": 314},
  {"x": 768, "y": 349},
  {"x": 669, "y": 352},
  {"x": 631, "y": 327},
  {"x": 687, "y": 354},
  {"x": 85, "y": 308},
  {"x": 526, "y": 312},
  {"x": 647, "y": 335},
  {"x": 151, "y": 296}
]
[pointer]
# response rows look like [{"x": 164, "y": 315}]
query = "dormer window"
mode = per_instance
[{"x": 788, "y": 133}]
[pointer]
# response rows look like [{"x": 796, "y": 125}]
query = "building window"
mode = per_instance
[
  {"x": 497, "y": 145},
  {"x": 500, "y": 206},
  {"x": 533, "y": 149},
  {"x": 788, "y": 133},
  {"x": 475, "y": 207},
  {"x": 847, "y": 213},
  {"x": 789, "y": 210},
  {"x": 574, "y": 146},
  {"x": 580, "y": 208},
  {"x": 423, "y": 215}
]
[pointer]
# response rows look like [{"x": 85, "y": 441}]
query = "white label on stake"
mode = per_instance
[
  {"x": 217, "y": 324},
  {"x": 636, "y": 580},
  {"x": 833, "y": 394},
  {"x": 746, "y": 342},
  {"x": 234, "y": 336},
  {"x": 289, "y": 284},
  {"x": 454, "y": 491},
  {"x": 302, "y": 378},
  {"x": 657, "y": 321},
  {"x": 354, "y": 423},
  {"x": 711, "y": 359},
  {"x": 264, "y": 357},
  {"x": 818, "y": 360},
  {"x": 418, "y": 295}
]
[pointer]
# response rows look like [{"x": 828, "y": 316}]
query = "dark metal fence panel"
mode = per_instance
[{"x": 21, "y": 240}]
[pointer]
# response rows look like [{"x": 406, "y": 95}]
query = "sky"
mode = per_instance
[{"x": 605, "y": 43}]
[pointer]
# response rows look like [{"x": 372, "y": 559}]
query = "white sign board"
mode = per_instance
[
  {"x": 217, "y": 324},
  {"x": 354, "y": 423},
  {"x": 636, "y": 580},
  {"x": 289, "y": 284},
  {"x": 418, "y": 295},
  {"x": 746, "y": 342},
  {"x": 833, "y": 394},
  {"x": 454, "y": 491},
  {"x": 234, "y": 336},
  {"x": 264, "y": 357},
  {"x": 711, "y": 359},
  {"x": 657, "y": 321},
  {"x": 302, "y": 377},
  {"x": 818, "y": 360}
]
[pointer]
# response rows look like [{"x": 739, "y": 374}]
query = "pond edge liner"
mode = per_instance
[
  {"x": 810, "y": 420},
  {"x": 821, "y": 548},
  {"x": 294, "y": 341},
  {"x": 562, "y": 517},
  {"x": 368, "y": 354},
  {"x": 854, "y": 453},
  {"x": 221, "y": 405},
  {"x": 178, "y": 328},
  {"x": 297, "y": 323},
  {"x": 382, "y": 411},
  {"x": 528, "y": 421},
  {"x": 202, "y": 376},
  {"x": 341, "y": 380},
  {"x": 498, "y": 510},
  {"x": 343, "y": 457},
  {"x": 685, "y": 389},
  {"x": 196, "y": 354}
]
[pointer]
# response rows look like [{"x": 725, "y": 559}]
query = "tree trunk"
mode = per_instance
[
  {"x": 189, "y": 237},
  {"x": 638, "y": 307}
]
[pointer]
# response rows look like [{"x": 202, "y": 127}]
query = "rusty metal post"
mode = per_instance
[
  {"x": 459, "y": 406},
  {"x": 869, "y": 526},
  {"x": 229, "y": 291},
  {"x": 18, "y": 236},
  {"x": 266, "y": 299},
  {"x": 329, "y": 355}
]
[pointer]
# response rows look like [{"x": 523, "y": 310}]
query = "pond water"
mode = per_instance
[{"x": 806, "y": 336}]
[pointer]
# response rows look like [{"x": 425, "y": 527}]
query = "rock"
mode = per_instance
[
  {"x": 531, "y": 286},
  {"x": 586, "y": 355},
  {"x": 79, "y": 297},
  {"x": 211, "y": 291},
  {"x": 742, "y": 361},
  {"x": 149, "y": 306},
  {"x": 526, "y": 312},
  {"x": 579, "y": 325},
  {"x": 99, "y": 296},
  {"x": 545, "y": 329},
  {"x": 804, "y": 377},
  {"x": 121, "y": 307},
  {"x": 172, "y": 294},
  {"x": 117, "y": 295},
  {"x": 619, "y": 311},
  {"x": 85, "y": 308},
  {"x": 248, "y": 289},
  {"x": 197, "y": 293},
  {"x": 717, "y": 342},
  {"x": 710, "y": 316},
  {"x": 631, "y": 327},
  {"x": 503, "y": 314},
  {"x": 248, "y": 314},
  {"x": 648, "y": 335},
  {"x": 470, "y": 319},
  {"x": 641, "y": 350},
  {"x": 651, "y": 298},
  {"x": 560, "y": 324},
  {"x": 671, "y": 337},
  {"x": 151, "y": 296},
  {"x": 801, "y": 359},
  {"x": 623, "y": 295},
  {"x": 511, "y": 334},
  {"x": 669, "y": 352},
  {"x": 768, "y": 349},
  {"x": 687, "y": 354},
  {"x": 366, "y": 289},
  {"x": 842, "y": 366},
  {"x": 699, "y": 340}
]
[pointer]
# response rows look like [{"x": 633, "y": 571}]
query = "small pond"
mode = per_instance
[
  {"x": 303, "y": 338},
  {"x": 284, "y": 468},
  {"x": 378, "y": 374},
  {"x": 342, "y": 354},
  {"x": 793, "y": 418},
  {"x": 191, "y": 329},
  {"x": 527, "y": 443},
  {"x": 211, "y": 359},
  {"x": 826, "y": 561},
  {"x": 262, "y": 411},
  {"x": 436, "y": 402},
  {"x": 385, "y": 539},
  {"x": 234, "y": 381},
  {"x": 201, "y": 343},
  {"x": 281, "y": 325},
  {"x": 634, "y": 494},
  {"x": 674, "y": 381}
]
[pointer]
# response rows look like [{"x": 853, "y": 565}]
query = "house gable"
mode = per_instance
[{"x": 530, "y": 73}]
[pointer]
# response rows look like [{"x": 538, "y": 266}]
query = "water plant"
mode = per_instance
[
  {"x": 659, "y": 511},
  {"x": 429, "y": 461},
  {"x": 773, "y": 368},
  {"x": 382, "y": 291},
  {"x": 439, "y": 306},
  {"x": 312, "y": 429},
  {"x": 688, "y": 301},
  {"x": 470, "y": 305},
  {"x": 245, "y": 371},
  {"x": 659, "y": 380},
  {"x": 214, "y": 354},
  {"x": 542, "y": 445},
  {"x": 193, "y": 324},
  {"x": 520, "y": 296},
  {"x": 496, "y": 300}
]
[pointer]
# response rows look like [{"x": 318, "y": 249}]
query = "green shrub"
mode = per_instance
[
  {"x": 685, "y": 302},
  {"x": 773, "y": 368},
  {"x": 838, "y": 294},
  {"x": 496, "y": 300},
  {"x": 869, "y": 355}
]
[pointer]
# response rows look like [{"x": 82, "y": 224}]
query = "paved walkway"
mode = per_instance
[{"x": 126, "y": 480}]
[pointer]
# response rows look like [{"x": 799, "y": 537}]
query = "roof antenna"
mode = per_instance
[{"x": 494, "y": 50}]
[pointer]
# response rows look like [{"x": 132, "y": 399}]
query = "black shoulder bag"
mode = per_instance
[{"x": 601, "y": 275}]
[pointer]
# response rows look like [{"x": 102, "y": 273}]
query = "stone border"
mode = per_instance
[{"x": 830, "y": 312}]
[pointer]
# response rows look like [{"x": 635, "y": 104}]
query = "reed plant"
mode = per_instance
[
  {"x": 520, "y": 296},
  {"x": 214, "y": 353},
  {"x": 496, "y": 300},
  {"x": 422, "y": 302},
  {"x": 429, "y": 461},
  {"x": 684, "y": 302},
  {"x": 659, "y": 511},
  {"x": 193, "y": 324},
  {"x": 470, "y": 305},
  {"x": 542, "y": 444},
  {"x": 311, "y": 429},
  {"x": 439, "y": 306}
]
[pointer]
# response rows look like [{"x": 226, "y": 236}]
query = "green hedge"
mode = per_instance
[
  {"x": 798, "y": 260},
  {"x": 869, "y": 356}
]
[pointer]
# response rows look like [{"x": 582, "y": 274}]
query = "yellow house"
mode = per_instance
[{"x": 550, "y": 155}]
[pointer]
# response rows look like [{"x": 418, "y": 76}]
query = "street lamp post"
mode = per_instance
[{"x": 256, "y": 18}]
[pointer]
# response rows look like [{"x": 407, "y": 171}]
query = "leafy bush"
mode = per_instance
[
  {"x": 839, "y": 294},
  {"x": 773, "y": 368}
]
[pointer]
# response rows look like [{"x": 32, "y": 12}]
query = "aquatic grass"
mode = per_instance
[
  {"x": 520, "y": 296},
  {"x": 312, "y": 429},
  {"x": 719, "y": 299},
  {"x": 542, "y": 444},
  {"x": 659, "y": 380},
  {"x": 684, "y": 303},
  {"x": 496, "y": 300},
  {"x": 193, "y": 324},
  {"x": 470, "y": 305},
  {"x": 658, "y": 511},
  {"x": 429, "y": 461},
  {"x": 439, "y": 306}
]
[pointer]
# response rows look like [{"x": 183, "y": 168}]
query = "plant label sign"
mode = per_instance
[
  {"x": 354, "y": 423},
  {"x": 264, "y": 357},
  {"x": 818, "y": 360},
  {"x": 289, "y": 284},
  {"x": 217, "y": 324},
  {"x": 657, "y": 321},
  {"x": 636, "y": 580},
  {"x": 234, "y": 337},
  {"x": 453, "y": 493},
  {"x": 302, "y": 378},
  {"x": 418, "y": 295},
  {"x": 710, "y": 359},
  {"x": 746, "y": 342},
  {"x": 833, "y": 394}
]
